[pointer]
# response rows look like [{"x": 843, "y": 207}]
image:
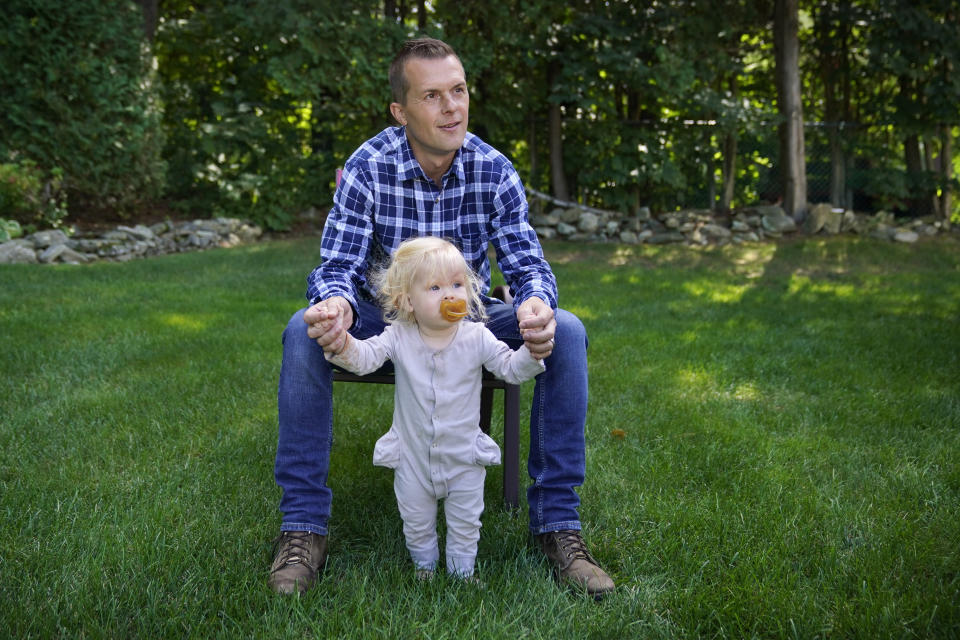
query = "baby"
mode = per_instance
[{"x": 435, "y": 445}]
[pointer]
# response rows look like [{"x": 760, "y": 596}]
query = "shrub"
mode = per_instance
[
  {"x": 29, "y": 197},
  {"x": 76, "y": 93}
]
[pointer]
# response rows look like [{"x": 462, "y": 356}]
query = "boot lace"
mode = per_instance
[
  {"x": 294, "y": 547},
  {"x": 573, "y": 546}
]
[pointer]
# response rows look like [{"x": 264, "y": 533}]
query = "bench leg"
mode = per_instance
[
  {"x": 486, "y": 409},
  {"x": 511, "y": 446}
]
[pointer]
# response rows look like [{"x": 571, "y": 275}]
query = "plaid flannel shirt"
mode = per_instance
[{"x": 384, "y": 197}]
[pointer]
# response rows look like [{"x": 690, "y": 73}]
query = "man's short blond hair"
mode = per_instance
[{"x": 426, "y": 48}]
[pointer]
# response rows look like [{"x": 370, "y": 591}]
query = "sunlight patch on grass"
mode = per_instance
[
  {"x": 752, "y": 262},
  {"x": 715, "y": 291},
  {"x": 582, "y": 312},
  {"x": 621, "y": 256},
  {"x": 802, "y": 285},
  {"x": 694, "y": 382},
  {"x": 185, "y": 322}
]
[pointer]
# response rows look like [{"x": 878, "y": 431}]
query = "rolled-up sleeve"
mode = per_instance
[
  {"x": 345, "y": 244},
  {"x": 519, "y": 253}
]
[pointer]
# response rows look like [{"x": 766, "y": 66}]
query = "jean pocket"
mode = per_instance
[
  {"x": 386, "y": 453},
  {"x": 485, "y": 450}
]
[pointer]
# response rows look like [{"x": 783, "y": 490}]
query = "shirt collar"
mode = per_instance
[{"x": 410, "y": 169}]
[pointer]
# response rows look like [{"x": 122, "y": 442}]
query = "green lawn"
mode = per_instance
[{"x": 773, "y": 447}]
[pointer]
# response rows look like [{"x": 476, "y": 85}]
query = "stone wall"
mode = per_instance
[
  {"x": 573, "y": 223},
  {"x": 124, "y": 243},
  {"x": 703, "y": 227}
]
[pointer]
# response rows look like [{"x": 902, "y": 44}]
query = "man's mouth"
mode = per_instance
[{"x": 450, "y": 127}]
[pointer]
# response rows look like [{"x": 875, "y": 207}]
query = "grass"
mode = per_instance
[{"x": 773, "y": 446}]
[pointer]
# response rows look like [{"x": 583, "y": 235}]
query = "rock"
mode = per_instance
[
  {"x": 715, "y": 231},
  {"x": 51, "y": 253},
  {"x": 544, "y": 220},
  {"x": 44, "y": 239},
  {"x": 588, "y": 223},
  {"x": 667, "y": 237},
  {"x": 634, "y": 224},
  {"x": 643, "y": 214},
  {"x": 628, "y": 237},
  {"x": 776, "y": 221},
  {"x": 905, "y": 235},
  {"x": 833, "y": 222},
  {"x": 566, "y": 230},
  {"x": 816, "y": 218},
  {"x": 882, "y": 232},
  {"x": 545, "y": 233},
  {"x": 140, "y": 232},
  {"x": 62, "y": 253},
  {"x": 850, "y": 222},
  {"x": 17, "y": 252}
]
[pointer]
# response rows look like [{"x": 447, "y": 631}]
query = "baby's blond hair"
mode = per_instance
[{"x": 426, "y": 257}]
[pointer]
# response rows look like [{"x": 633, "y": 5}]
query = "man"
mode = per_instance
[{"x": 429, "y": 176}]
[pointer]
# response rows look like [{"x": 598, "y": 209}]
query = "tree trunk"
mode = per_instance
[
  {"x": 150, "y": 18},
  {"x": 729, "y": 170},
  {"x": 946, "y": 169},
  {"x": 838, "y": 169},
  {"x": 422, "y": 15},
  {"x": 833, "y": 35},
  {"x": 558, "y": 178},
  {"x": 533, "y": 180},
  {"x": 792, "y": 161},
  {"x": 914, "y": 161}
]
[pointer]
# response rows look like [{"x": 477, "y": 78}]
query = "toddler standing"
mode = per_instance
[{"x": 435, "y": 445}]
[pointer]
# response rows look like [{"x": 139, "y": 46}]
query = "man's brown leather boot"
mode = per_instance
[
  {"x": 573, "y": 564},
  {"x": 298, "y": 557}
]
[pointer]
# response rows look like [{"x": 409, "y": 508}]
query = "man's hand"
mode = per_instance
[
  {"x": 328, "y": 321},
  {"x": 537, "y": 326}
]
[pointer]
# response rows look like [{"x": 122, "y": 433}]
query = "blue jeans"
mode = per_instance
[{"x": 555, "y": 464}]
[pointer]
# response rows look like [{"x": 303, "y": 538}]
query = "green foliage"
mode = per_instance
[
  {"x": 263, "y": 101},
  {"x": 76, "y": 93},
  {"x": 248, "y": 108},
  {"x": 30, "y": 198},
  {"x": 9, "y": 229}
]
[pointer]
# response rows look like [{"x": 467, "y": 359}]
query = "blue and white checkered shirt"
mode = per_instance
[{"x": 384, "y": 197}]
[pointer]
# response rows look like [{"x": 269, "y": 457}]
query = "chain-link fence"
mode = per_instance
[{"x": 847, "y": 165}]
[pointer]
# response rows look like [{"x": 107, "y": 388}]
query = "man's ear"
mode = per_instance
[{"x": 396, "y": 109}]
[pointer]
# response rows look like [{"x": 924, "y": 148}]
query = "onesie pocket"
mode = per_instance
[
  {"x": 485, "y": 450},
  {"x": 386, "y": 453}
]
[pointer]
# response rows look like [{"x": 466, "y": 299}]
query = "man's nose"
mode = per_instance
[{"x": 448, "y": 102}]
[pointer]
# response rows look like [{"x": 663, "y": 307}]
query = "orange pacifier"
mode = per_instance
[{"x": 453, "y": 310}]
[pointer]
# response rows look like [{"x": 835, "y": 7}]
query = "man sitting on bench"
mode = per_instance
[{"x": 429, "y": 176}]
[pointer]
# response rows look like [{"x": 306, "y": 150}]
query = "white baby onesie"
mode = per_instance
[{"x": 435, "y": 444}]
